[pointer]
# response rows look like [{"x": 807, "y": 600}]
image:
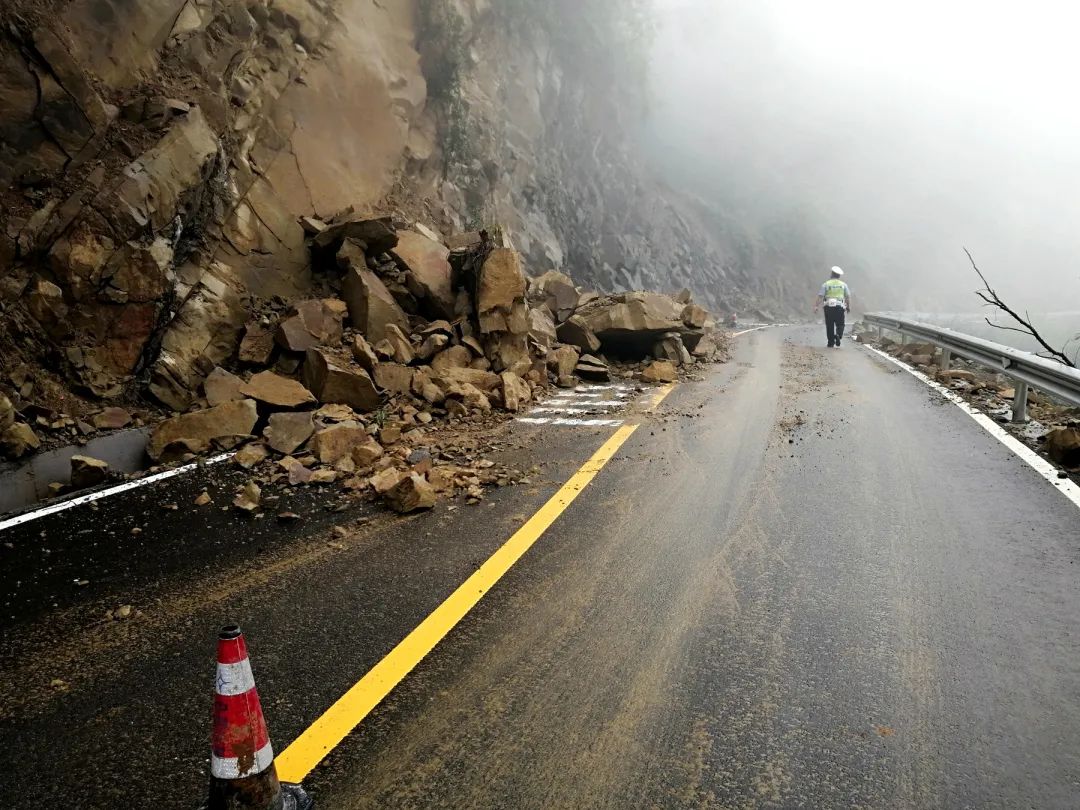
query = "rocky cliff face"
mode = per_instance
[{"x": 159, "y": 155}]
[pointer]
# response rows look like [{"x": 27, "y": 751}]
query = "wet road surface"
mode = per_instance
[{"x": 804, "y": 582}]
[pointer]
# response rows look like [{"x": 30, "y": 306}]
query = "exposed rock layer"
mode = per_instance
[{"x": 160, "y": 180}]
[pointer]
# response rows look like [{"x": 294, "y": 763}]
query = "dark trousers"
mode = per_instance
[{"x": 834, "y": 325}]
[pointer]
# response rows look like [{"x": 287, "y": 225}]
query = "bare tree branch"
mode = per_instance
[
  {"x": 991, "y": 298},
  {"x": 1007, "y": 328}
]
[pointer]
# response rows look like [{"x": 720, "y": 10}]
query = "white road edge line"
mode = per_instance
[
  {"x": 52, "y": 509},
  {"x": 62, "y": 506},
  {"x": 1043, "y": 467}
]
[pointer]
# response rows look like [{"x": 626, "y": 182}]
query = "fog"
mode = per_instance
[{"x": 901, "y": 132}]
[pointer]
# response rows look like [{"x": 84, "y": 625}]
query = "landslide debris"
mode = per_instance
[{"x": 361, "y": 386}]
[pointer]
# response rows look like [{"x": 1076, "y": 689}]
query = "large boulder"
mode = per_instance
[
  {"x": 198, "y": 430},
  {"x": 705, "y": 348},
  {"x": 500, "y": 293},
  {"x": 311, "y": 323},
  {"x": 562, "y": 361},
  {"x": 576, "y": 332},
  {"x": 18, "y": 439},
  {"x": 333, "y": 443},
  {"x": 470, "y": 396},
  {"x": 694, "y": 316},
  {"x": 432, "y": 345},
  {"x": 401, "y": 347},
  {"x": 332, "y": 382},
  {"x": 371, "y": 306},
  {"x": 542, "y": 327},
  {"x": 410, "y": 494},
  {"x": 1063, "y": 446},
  {"x": 370, "y": 235},
  {"x": 592, "y": 368},
  {"x": 630, "y": 323},
  {"x": 484, "y": 380},
  {"x": 204, "y": 333},
  {"x": 557, "y": 292},
  {"x": 45, "y": 302},
  {"x": 509, "y": 352},
  {"x": 7, "y": 413},
  {"x": 222, "y": 386},
  {"x": 87, "y": 471},
  {"x": 367, "y": 453},
  {"x": 516, "y": 392},
  {"x": 427, "y": 262},
  {"x": 257, "y": 345},
  {"x": 277, "y": 391},
  {"x": 452, "y": 357},
  {"x": 671, "y": 347},
  {"x": 286, "y": 431},
  {"x": 660, "y": 371},
  {"x": 633, "y": 312},
  {"x": 363, "y": 353},
  {"x": 393, "y": 378}
]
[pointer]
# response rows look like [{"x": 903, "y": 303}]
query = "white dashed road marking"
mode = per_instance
[
  {"x": 573, "y": 407},
  {"x": 591, "y": 403},
  {"x": 530, "y": 420}
]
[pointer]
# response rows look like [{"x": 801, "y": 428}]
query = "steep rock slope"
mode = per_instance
[{"x": 158, "y": 156}]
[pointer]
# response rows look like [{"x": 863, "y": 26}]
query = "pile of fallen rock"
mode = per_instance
[{"x": 410, "y": 334}]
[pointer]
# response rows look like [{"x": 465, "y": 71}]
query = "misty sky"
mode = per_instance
[{"x": 907, "y": 130}]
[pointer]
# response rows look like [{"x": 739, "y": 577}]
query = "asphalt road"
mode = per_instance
[{"x": 804, "y": 582}]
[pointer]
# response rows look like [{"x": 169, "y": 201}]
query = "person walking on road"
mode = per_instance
[{"x": 836, "y": 297}]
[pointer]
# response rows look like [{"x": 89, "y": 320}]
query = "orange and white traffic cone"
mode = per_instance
[{"x": 242, "y": 773}]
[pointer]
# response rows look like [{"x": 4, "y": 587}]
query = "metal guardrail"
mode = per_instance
[{"x": 1024, "y": 368}]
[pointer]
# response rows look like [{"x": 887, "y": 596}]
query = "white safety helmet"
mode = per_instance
[{"x": 838, "y": 271}]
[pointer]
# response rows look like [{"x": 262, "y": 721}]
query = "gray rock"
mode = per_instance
[
  {"x": 411, "y": 494},
  {"x": 196, "y": 431},
  {"x": 426, "y": 260},
  {"x": 286, "y": 431},
  {"x": 222, "y": 386},
  {"x": 18, "y": 440},
  {"x": 277, "y": 391},
  {"x": 500, "y": 296},
  {"x": 371, "y": 306},
  {"x": 310, "y": 324},
  {"x": 576, "y": 332},
  {"x": 592, "y": 368},
  {"x": 334, "y": 383},
  {"x": 87, "y": 471}
]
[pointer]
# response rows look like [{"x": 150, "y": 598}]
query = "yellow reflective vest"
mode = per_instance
[{"x": 834, "y": 289}]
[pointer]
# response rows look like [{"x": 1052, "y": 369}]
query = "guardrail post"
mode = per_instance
[
  {"x": 880, "y": 331},
  {"x": 903, "y": 339},
  {"x": 1019, "y": 409},
  {"x": 946, "y": 359}
]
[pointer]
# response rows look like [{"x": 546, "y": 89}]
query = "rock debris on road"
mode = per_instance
[{"x": 799, "y": 583}]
